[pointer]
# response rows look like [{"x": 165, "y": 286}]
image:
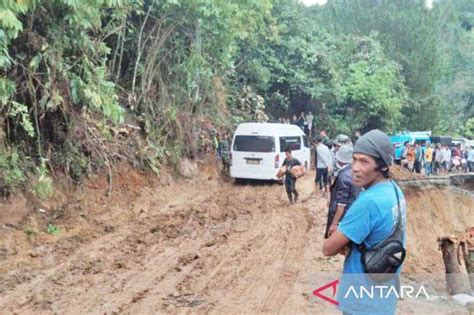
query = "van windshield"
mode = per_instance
[
  {"x": 293, "y": 142},
  {"x": 254, "y": 144}
]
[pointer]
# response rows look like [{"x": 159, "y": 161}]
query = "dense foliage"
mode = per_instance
[{"x": 75, "y": 73}]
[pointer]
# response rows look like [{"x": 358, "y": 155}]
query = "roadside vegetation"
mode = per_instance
[{"x": 85, "y": 84}]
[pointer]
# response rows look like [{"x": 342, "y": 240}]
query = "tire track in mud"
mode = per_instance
[
  {"x": 203, "y": 277},
  {"x": 72, "y": 273},
  {"x": 224, "y": 248},
  {"x": 261, "y": 272}
]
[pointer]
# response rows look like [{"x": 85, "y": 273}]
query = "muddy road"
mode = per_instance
[{"x": 202, "y": 245}]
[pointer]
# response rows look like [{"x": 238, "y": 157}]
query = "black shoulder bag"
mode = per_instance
[{"x": 383, "y": 260}]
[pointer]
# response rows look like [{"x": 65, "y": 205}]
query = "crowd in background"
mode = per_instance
[
  {"x": 439, "y": 159},
  {"x": 304, "y": 121}
]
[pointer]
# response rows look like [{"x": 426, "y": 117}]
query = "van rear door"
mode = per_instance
[{"x": 253, "y": 155}]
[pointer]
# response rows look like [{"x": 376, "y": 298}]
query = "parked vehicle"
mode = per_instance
[
  {"x": 257, "y": 150},
  {"x": 444, "y": 140}
]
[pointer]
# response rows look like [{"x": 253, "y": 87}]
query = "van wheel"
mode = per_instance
[{"x": 279, "y": 181}]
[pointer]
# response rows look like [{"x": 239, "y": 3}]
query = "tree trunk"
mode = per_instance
[
  {"x": 467, "y": 247},
  {"x": 456, "y": 281}
]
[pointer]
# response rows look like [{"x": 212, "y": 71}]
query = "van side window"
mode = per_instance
[
  {"x": 305, "y": 141},
  {"x": 293, "y": 142}
]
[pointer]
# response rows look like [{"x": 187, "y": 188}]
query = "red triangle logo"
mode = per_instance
[{"x": 333, "y": 285}]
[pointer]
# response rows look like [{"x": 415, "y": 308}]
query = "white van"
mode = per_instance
[{"x": 258, "y": 149}]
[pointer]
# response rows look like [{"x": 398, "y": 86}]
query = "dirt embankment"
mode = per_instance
[{"x": 202, "y": 245}]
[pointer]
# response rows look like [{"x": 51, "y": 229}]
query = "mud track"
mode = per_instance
[{"x": 197, "y": 246}]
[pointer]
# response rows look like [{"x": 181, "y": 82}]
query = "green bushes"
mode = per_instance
[{"x": 11, "y": 172}]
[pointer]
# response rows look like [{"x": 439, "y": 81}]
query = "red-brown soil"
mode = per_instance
[{"x": 201, "y": 245}]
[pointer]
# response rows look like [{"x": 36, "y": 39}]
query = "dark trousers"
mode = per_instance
[
  {"x": 417, "y": 167},
  {"x": 225, "y": 164},
  {"x": 290, "y": 185},
  {"x": 322, "y": 177},
  {"x": 470, "y": 164}
]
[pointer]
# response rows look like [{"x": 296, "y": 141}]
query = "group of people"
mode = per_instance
[
  {"x": 304, "y": 121},
  {"x": 438, "y": 160},
  {"x": 366, "y": 208},
  {"x": 331, "y": 158},
  {"x": 369, "y": 209}
]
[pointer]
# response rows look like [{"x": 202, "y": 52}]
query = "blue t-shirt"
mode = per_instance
[{"x": 369, "y": 220}]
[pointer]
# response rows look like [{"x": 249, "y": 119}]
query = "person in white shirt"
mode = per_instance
[
  {"x": 323, "y": 165},
  {"x": 309, "y": 121},
  {"x": 470, "y": 159},
  {"x": 446, "y": 160}
]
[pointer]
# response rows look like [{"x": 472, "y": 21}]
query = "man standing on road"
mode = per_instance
[
  {"x": 301, "y": 122},
  {"x": 404, "y": 156},
  {"x": 368, "y": 222},
  {"x": 428, "y": 160},
  {"x": 224, "y": 151},
  {"x": 323, "y": 165},
  {"x": 411, "y": 158},
  {"x": 309, "y": 121},
  {"x": 438, "y": 159},
  {"x": 470, "y": 159},
  {"x": 418, "y": 159},
  {"x": 343, "y": 191},
  {"x": 446, "y": 159},
  {"x": 290, "y": 180}
]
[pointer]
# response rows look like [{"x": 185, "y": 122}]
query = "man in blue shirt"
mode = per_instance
[
  {"x": 419, "y": 157},
  {"x": 369, "y": 221}
]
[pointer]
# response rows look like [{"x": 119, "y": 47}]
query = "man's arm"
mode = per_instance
[
  {"x": 316, "y": 158},
  {"x": 343, "y": 191},
  {"x": 337, "y": 218},
  {"x": 335, "y": 243},
  {"x": 355, "y": 227}
]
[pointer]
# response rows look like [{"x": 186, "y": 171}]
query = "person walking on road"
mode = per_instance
[
  {"x": 290, "y": 180},
  {"x": 323, "y": 165}
]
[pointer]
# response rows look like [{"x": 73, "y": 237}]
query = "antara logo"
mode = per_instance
[
  {"x": 333, "y": 285},
  {"x": 371, "y": 292}
]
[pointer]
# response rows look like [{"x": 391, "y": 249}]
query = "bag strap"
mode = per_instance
[
  {"x": 395, "y": 230},
  {"x": 399, "y": 221}
]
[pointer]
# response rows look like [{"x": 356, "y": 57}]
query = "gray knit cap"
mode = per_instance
[
  {"x": 344, "y": 154},
  {"x": 376, "y": 144}
]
